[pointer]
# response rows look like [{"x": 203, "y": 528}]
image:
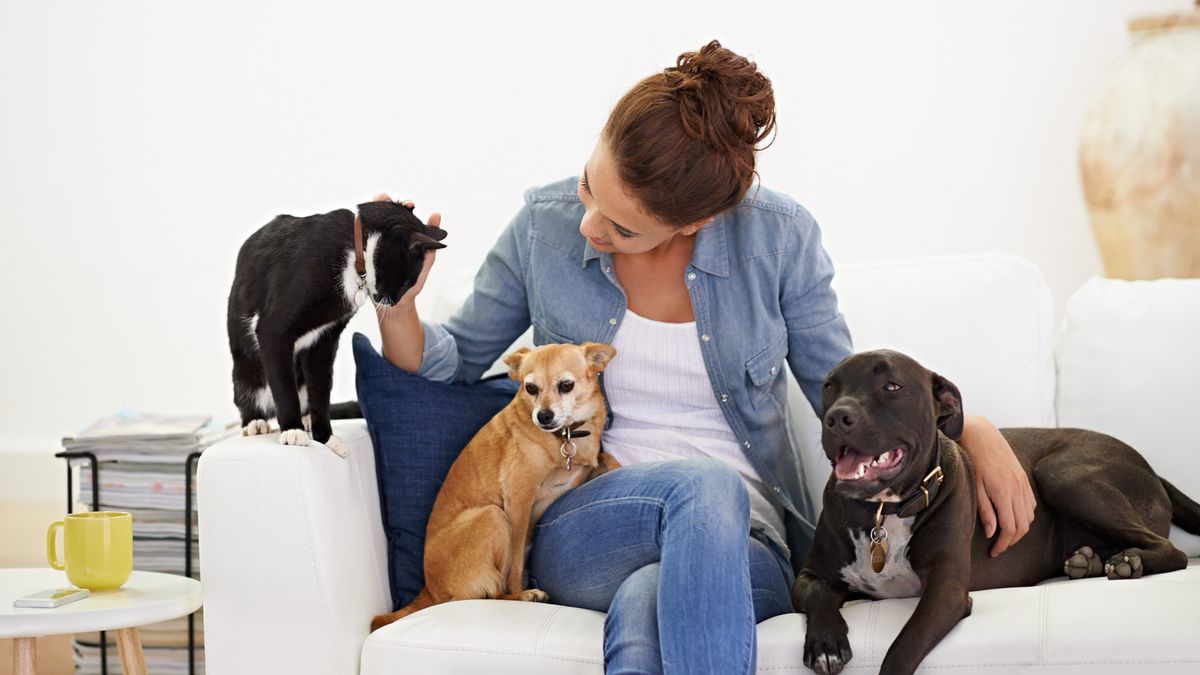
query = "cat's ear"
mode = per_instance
[{"x": 424, "y": 242}]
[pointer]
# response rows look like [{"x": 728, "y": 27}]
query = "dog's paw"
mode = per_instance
[
  {"x": 534, "y": 595},
  {"x": 1083, "y": 563},
  {"x": 256, "y": 428},
  {"x": 294, "y": 437},
  {"x": 306, "y": 422},
  {"x": 338, "y": 447},
  {"x": 826, "y": 652},
  {"x": 1125, "y": 565}
]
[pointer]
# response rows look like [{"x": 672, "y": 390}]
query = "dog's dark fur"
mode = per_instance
[
  {"x": 1098, "y": 500},
  {"x": 296, "y": 276}
]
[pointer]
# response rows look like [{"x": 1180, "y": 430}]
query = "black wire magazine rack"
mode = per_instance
[{"x": 189, "y": 466}]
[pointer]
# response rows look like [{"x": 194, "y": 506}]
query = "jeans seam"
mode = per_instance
[{"x": 601, "y": 502}]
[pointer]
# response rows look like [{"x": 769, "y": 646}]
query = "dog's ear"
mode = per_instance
[
  {"x": 948, "y": 401},
  {"x": 598, "y": 355},
  {"x": 513, "y": 361}
]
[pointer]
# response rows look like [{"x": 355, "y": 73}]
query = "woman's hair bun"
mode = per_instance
[{"x": 724, "y": 100}]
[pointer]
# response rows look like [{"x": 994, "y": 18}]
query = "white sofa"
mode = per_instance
[{"x": 293, "y": 554}]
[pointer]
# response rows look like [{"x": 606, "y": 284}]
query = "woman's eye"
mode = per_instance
[
  {"x": 584, "y": 184},
  {"x": 618, "y": 231},
  {"x": 531, "y": 389},
  {"x": 565, "y": 387},
  {"x": 892, "y": 386}
]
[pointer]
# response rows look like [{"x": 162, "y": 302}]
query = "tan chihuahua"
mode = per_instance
[{"x": 542, "y": 444}]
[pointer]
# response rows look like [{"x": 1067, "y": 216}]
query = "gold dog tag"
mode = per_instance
[
  {"x": 878, "y": 555},
  {"x": 879, "y": 545}
]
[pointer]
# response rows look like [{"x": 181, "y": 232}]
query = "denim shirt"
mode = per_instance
[{"x": 759, "y": 282}]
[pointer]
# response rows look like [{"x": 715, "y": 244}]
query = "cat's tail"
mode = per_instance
[{"x": 347, "y": 410}]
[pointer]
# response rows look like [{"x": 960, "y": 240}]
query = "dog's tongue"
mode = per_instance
[{"x": 847, "y": 465}]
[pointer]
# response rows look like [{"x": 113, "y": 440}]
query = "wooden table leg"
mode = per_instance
[
  {"x": 24, "y": 656},
  {"x": 129, "y": 644}
]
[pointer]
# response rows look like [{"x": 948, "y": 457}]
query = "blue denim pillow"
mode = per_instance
[{"x": 418, "y": 427}]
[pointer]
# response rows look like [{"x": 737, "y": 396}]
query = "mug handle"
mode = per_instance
[{"x": 51, "y": 549}]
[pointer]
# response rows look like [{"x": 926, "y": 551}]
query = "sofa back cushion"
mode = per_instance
[
  {"x": 418, "y": 428},
  {"x": 1129, "y": 366},
  {"x": 985, "y": 321}
]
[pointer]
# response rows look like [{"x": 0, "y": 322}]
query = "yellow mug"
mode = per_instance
[{"x": 99, "y": 548}]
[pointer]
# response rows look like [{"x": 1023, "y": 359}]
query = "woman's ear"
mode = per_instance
[{"x": 689, "y": 230}]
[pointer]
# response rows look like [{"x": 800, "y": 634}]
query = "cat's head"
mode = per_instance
[{"x": 396, "y": 242}]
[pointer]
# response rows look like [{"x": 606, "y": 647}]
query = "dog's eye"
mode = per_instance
[
  {"x": 892, "y": 386},
  {"x": 531, "y": 389},
  {"x": 565, "y": 387}
]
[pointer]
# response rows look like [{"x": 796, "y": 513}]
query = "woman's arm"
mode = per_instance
[{"x": 1002, "y": 486}]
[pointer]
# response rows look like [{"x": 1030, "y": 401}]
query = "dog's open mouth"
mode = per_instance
[{"x": 854, "y": 465}]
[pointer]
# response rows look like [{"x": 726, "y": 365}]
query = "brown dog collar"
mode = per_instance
[
  {"x": 360, "y": 261},
  {"x": 922, "y": 495}
]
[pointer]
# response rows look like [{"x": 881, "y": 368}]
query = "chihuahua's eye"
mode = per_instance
[
  {"x": 892, "y": 386},
  {"x": 565, "y": 386},
  {"x": 531, "y": 389}
]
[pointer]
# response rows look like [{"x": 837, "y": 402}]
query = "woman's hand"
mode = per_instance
[
  {"x": 407, "y": 301},
  {"x": 403, "y": 338},
  {"x": 1002, "y": 486}
]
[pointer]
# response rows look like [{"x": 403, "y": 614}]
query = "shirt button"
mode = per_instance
[
  {"x": 612, "y": 322},
  {"x": 724, "y": 398},
  {"x": 774, "y": 370},
  {"x": 747, "y": 444},
  {"x": 776, "y": 489},
  {"x": 607, "y": 270},
  {"x": 691, "y": 276},
  {"x": 704, "y": 337}
]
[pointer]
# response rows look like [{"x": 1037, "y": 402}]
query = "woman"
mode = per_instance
[{"x": 706, "y": 285}]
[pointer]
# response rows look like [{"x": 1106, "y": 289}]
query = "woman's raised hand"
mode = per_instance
[{"x": 435, "y": 220}]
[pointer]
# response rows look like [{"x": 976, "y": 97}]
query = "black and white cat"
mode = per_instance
[{"x": 298, "y": 282}]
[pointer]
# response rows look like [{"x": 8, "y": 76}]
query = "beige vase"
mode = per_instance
[{"x": 1139, "y": 153}]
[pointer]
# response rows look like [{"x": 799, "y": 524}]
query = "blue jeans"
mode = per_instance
[{"x": 666, "y": 549}]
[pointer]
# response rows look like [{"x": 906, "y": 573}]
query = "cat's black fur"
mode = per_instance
[{"x": 297, "y": 275}]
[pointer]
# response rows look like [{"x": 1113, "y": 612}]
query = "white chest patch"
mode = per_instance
[{"x": 897, "y": 580}]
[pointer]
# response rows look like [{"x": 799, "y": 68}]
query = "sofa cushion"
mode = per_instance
[
  {"x": 417, "y": 427},
  {"x": 1128, "y": 366},
  {"x": 1090, "y": 625}
]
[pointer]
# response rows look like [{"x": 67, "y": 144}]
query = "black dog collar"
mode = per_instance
[
  {"x": 570, "y": 432},
  {"x": 918, "y": 499}
]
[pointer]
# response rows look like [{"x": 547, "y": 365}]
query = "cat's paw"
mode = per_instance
[
  {"x": 256, "y": 428},
  {"x": 337, "y": 446},
  {"x": 294, "y": 437}
]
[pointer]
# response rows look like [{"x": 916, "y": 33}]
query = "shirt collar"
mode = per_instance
[{"x": 711, "y": 254}]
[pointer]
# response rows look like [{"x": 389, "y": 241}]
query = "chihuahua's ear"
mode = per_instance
[
  {"x": 513, "y": 361},
  {"x": 948, "y": 402},
  {"x": 597, "y": 355}
]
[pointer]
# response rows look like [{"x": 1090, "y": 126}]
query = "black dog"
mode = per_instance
[
  {"x": 899, "y": 510},
  {"x": 298, "y": 282}
]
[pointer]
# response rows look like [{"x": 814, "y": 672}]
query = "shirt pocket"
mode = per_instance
[
  {"x": 543, "y": 335},
  {"x": 764, "y": 368}
]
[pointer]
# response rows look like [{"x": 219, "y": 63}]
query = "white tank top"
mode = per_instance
[{"x": 664, "y": 408}]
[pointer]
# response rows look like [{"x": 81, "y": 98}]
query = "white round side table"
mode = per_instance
[{"x": 148, "y": 597}]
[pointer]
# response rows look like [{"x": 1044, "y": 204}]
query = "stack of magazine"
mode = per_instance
[{"x": 141, "y": 460}]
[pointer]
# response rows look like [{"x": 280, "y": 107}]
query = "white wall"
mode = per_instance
[{"x": 141, "y": 142}]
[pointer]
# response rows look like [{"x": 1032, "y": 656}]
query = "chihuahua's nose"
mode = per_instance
[
  {"x": 545, "y": 417},
  {"x": 841, "y": 417}
]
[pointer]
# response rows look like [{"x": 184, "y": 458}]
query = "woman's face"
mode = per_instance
[{"x": 613, "y": 221}]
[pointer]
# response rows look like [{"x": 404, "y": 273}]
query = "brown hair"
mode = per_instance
[{"x": 684, "y": 139}]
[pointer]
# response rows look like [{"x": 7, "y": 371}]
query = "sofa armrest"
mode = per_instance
[{"x": 292, "y": 555}]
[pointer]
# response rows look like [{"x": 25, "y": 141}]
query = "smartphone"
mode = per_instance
[{"x": 54, "y": 597}]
